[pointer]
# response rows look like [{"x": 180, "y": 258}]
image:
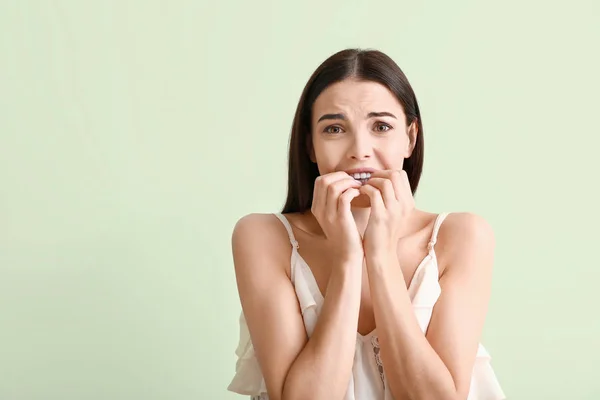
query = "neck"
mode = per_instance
[{"x": 361, "y": 217}]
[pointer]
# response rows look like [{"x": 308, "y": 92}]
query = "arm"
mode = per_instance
[
  {"x": 293, "y": 366},
  {"x": 438, "y": 365}
]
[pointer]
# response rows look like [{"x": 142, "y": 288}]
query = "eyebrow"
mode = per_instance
[{"x": 343, "y": 117}]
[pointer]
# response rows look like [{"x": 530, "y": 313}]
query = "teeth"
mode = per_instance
[{"x": 361, "y": 175}]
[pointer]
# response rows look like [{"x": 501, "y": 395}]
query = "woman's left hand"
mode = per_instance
[{"x": 391, "y": 203}]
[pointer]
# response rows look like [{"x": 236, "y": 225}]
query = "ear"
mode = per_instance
[
  {"x": 310, "y": 149},
  {"x": 412, "y": 137}
]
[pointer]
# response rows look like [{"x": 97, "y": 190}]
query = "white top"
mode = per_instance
[{"x": 368, "y": 379}]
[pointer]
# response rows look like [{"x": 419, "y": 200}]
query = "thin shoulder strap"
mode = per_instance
[
  {"x": 436, "y": 227},
  {"x": 288, "y": 228}
]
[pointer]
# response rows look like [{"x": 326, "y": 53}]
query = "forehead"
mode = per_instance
[{"x": 351, "y": 96}]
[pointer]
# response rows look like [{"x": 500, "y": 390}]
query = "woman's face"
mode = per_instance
[{"x": 359, "y": 124}]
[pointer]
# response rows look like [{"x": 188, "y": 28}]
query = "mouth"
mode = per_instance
[{"x": 362, "y": 175}]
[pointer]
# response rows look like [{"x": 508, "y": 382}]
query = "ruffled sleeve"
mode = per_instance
[
  {"x": 248, "y": 379},
  {"x": 424, "y": 292},
  {"x": 484, "y": 384}
]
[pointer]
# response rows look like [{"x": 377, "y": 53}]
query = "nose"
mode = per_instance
[{"x": 360, "y": 147}]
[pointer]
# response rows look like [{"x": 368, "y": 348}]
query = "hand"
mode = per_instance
[
  {"x": 331, "y": 207},
  {"x": 391, "y": 203}
]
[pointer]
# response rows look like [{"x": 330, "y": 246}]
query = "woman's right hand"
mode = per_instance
[{"x": 332, "y": 196}]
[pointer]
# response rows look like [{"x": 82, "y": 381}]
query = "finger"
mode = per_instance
[
  {"x": 320, "y": 190},
  {"x": 381, "y": 173},
  {"x": 386, "y": 187},
  {"x": 346, "y": 198},
  {"x": 335, "y": 190},
  {"x": 404, "y": 179},
  {"x": 401, "y": 183},
  {"x": 377, "y": 205},
  {"x": 408, "y": 199},
  {"x": 396, "y": 177}
]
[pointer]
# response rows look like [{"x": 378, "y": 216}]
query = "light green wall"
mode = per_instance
[{"x": 133, "y": 135}]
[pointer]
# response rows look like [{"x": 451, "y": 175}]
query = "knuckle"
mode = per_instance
[
  {"x": 334, "y": 184},
  {"x": 338, "y": 186},
  {"x": 331, "y": 190},
  {"x": 377, "y": 218}
]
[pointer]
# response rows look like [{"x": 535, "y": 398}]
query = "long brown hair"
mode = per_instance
[{"x": 366, "y": 65}]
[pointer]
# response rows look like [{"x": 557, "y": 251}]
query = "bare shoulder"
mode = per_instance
[
  {"x": 260, "y": 236},
  {"x": 465, "y": 235},
  {"x": 261, "y": 256},
  {"x": 463, "y": 226},
  {"x": 248, "y": 225}
]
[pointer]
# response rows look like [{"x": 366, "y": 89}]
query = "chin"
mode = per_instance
[{"x": 361, "y": 201}]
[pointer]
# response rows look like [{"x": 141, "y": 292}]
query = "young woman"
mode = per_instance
[{"x": 351, "y": 292}]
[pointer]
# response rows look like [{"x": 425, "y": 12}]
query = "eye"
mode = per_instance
[
  {"x": 332, "y": 130},
  {"x": 382, "y": 127}
]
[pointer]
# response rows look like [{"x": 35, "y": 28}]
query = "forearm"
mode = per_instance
[
  {"x": 323, "y": 368},
  {"x": 412, "y": 367}
]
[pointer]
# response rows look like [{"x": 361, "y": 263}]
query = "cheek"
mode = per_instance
[
  {"x": 391, "y": 155},
  {"x": 327, "y": 157}
]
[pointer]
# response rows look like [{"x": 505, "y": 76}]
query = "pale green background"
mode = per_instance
[{"x": 133, "y": 135}]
